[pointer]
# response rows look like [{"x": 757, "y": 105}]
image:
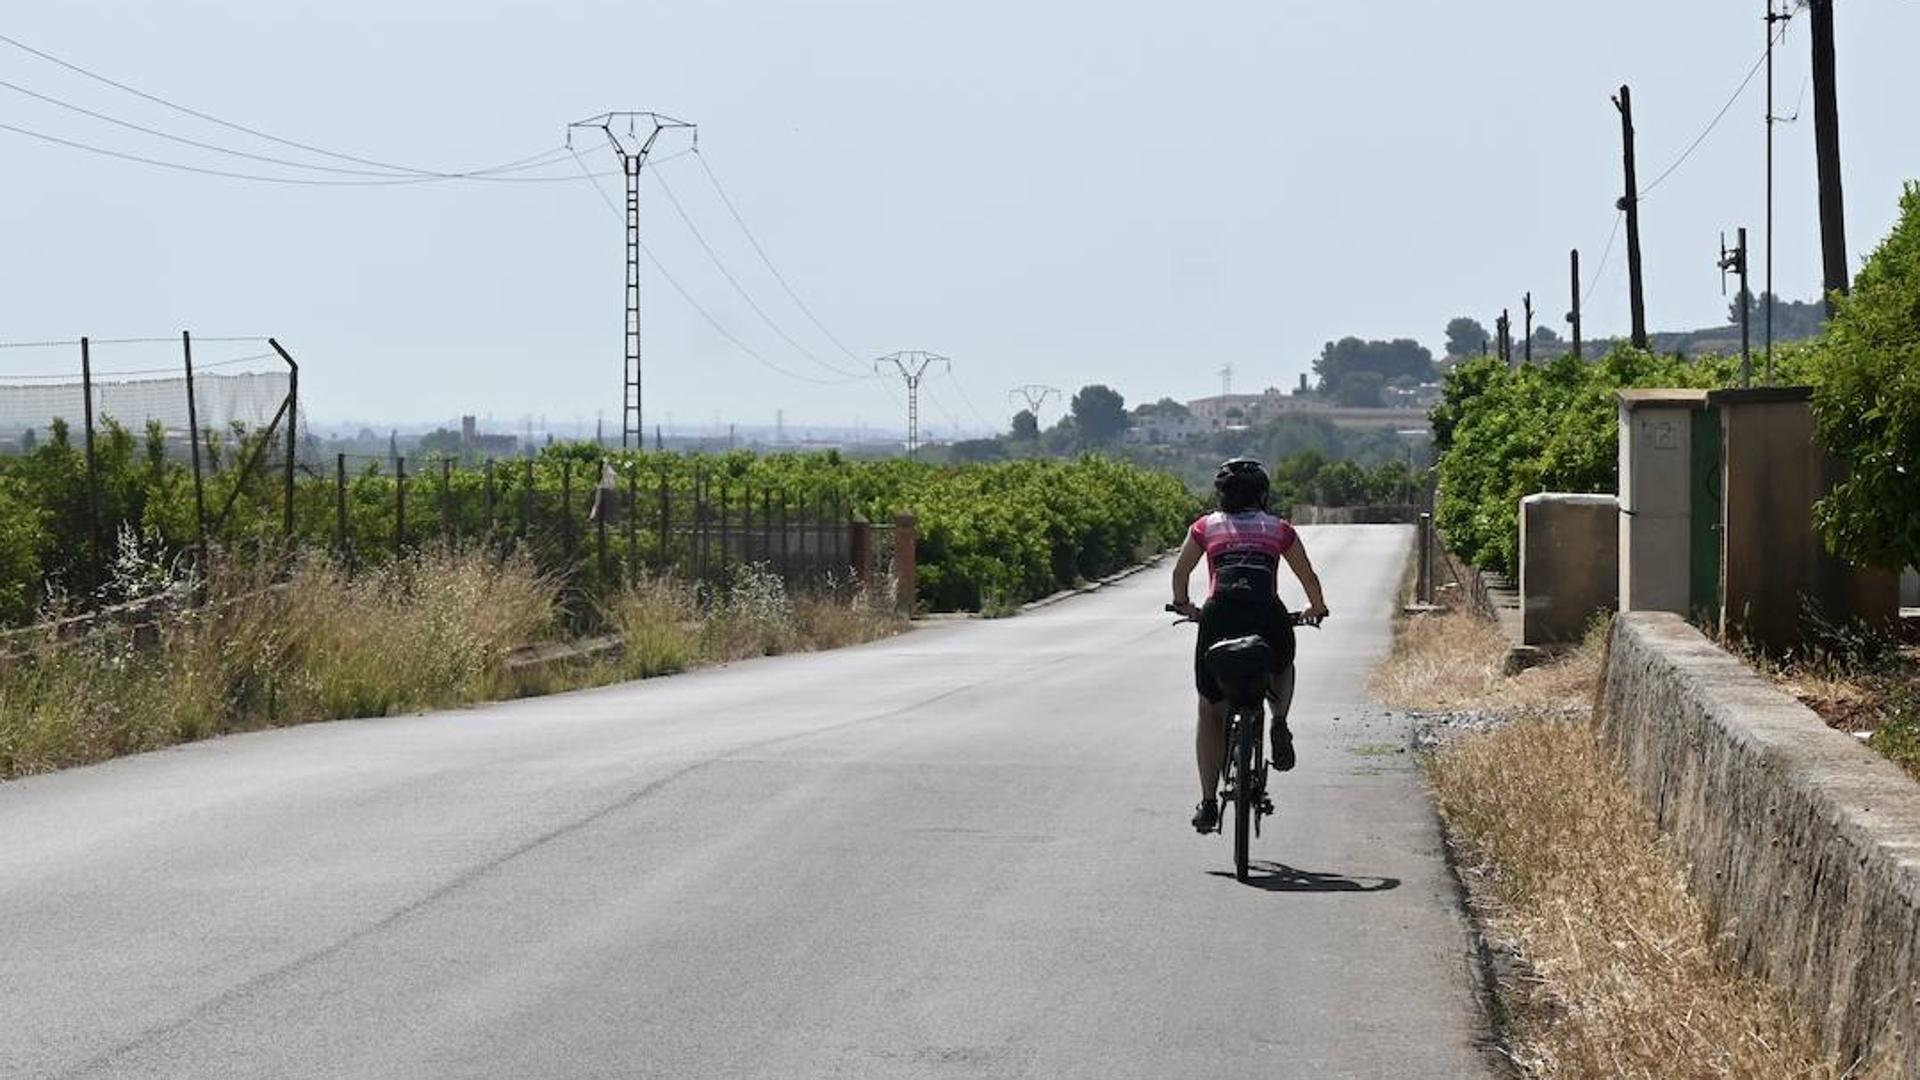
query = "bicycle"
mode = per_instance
[{"x": 1241, "y": 666}]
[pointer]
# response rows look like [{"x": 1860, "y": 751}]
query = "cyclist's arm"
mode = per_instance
[
  {"x": 1303, "y": 569},
  {"x": 1190, "y": 555}
]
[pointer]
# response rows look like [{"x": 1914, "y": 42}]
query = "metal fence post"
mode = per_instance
[
  {"x": 746, "y": 524},
  {"x": 566, "y": 509},
  {"x": 293, "y": 432},
  {"x": 399, "y": 507},
  {"x": 492, "y": 516},
  {"x": 666, "y": 513},
  {"x": 726, "y": 529},
  {"x": 526, "y": 503},
  {"x": 633, "y": 520},
  {"x": 340, "y": 506},
  {"x": 601, "y": 499},
  {"x": 786, "y": 532},
  {"x": 446, "y": 502},
  {"x": 193, "y": 438},
  {"x": 93, "y": 472}
]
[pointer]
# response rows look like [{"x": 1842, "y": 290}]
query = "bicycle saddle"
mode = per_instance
[{"x": 1241, "y": 666}]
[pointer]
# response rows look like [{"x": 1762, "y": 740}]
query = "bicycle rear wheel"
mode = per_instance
[{"x": 1246, "y": 729}]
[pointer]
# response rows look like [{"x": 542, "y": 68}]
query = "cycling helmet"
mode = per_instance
[{"x": 1242, "y": 484}]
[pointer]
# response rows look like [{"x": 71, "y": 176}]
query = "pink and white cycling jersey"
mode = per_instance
[{"x": 1244, "y": 548}]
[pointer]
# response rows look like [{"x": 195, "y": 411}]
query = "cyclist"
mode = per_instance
[{"x": 1244, "y": 545}]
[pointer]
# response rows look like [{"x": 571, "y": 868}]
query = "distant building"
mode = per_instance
[
  {"x": 1160, "y": 430},
  {"x": 1248, "y": 410},
  {"x": 474, "y": 441}
]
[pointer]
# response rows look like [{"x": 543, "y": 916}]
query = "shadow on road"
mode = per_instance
[{"x": 1278, "y": 877}]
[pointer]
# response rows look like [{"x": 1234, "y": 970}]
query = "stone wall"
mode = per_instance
[{"x": 1802, "y": 845}]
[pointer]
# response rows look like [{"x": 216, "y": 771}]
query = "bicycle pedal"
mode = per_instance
[{"x": 1266, "y": 806}]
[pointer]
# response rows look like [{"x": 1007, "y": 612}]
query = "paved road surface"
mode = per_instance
[{"x": 962, "y": 853}]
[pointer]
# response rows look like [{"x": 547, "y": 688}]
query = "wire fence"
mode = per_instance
[{"x": 191, "y": 470}]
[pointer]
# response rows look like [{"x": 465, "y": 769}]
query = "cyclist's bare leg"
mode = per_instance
[
  {"x": 1210, "y": 745},
  {"x": 1280, "y": 697},
  {"x": 1280, "y": 693}
]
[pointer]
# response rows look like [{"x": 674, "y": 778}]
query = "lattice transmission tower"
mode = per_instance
[
  {"x": 1035, "y": 396},
  {"x": 641, "y": 131},
  {"x": 913, "y": 366}
]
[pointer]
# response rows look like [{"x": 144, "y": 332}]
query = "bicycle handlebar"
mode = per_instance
[{"x": 1298, "y": 618}]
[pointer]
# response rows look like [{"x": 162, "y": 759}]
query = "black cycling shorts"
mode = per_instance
[{"x": 1232, "y": 613}]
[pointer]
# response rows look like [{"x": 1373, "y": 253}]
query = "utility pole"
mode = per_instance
[
  {"x": 1826, "y": 143},
  {"x": 1035, "y": 397},
  {"x": 1527, "y": 347},
  {"x": 1735, "y": 261},
  {"x": 643, "y": 129},
  {"x": 1782, "y": 17},
  {"x": 1573, "y": 315},
  {"x": 1503, "y": 328},
  {"x": 1630, "y": 203},
  {"x": 912, "y": 366}
]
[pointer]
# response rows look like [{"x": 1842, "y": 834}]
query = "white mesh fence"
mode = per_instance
[{"x": 248, "y": 398}]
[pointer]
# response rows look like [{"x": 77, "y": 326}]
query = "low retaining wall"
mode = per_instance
[{"x": 1802, "y": 845}]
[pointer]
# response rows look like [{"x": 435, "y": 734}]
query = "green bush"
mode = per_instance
[
  {"x": 1867, "y": 404},
  {"x": 1506, "y": 433}
]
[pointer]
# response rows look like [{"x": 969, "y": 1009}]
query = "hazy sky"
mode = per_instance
[{"x": 1060, "y": 193}]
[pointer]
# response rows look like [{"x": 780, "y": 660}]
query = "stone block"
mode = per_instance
[{"x": 1569, "y": 565}]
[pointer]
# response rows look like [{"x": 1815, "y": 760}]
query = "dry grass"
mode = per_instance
[
  {"x": 1613, "y": 973},
  {"x": 318, "y": 646},
  {"x": 1570, "y": 874},
  {"x": 1452, "y": 661},
  {"x": 669, "y": 626},
  {"x": 428, "y": 633}
]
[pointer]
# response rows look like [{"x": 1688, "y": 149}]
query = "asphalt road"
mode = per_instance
[{"x": 960, "y": 853}]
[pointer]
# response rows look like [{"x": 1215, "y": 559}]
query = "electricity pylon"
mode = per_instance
[
  {"x": 1035, "y": 396},
  {"x": 913, "y": 366},
  {"x": 643, "y": 129}
]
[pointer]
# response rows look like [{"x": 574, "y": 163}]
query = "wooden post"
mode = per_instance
[
  {"x": 1630, "y": 203},
  {"x": 1837, "y": 277},
  {"x": 1573, "y": 315}
]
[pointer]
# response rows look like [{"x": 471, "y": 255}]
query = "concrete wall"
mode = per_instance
[
  {"x": 1656, "y": 511},
  {"x": 1802, "y": 846},
  {"x": 1774, "y": 565},
  {"x": 1569, "y": 565},
  {"x": 1910, "y": 588}
]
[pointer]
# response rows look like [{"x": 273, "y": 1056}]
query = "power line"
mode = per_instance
[
  {"x": 256, "y": 133},
  {"x": 1601, "y": 269},
  {"x": 226, "y": 173},
  {"x": 766, "y": 260},
  {"x": 695, "y": 305},
  {"x": 1712, "y": 124},
  {"x": 667, "y": 189}
]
